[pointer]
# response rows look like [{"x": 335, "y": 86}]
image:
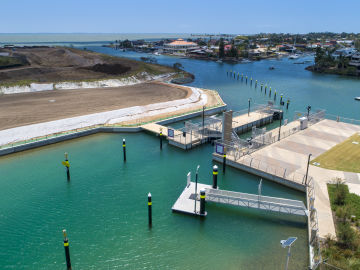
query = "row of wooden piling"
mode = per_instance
[{"x": 232, "y": 74}]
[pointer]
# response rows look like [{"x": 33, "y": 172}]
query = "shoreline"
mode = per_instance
[{"x": 126, "y": 116}]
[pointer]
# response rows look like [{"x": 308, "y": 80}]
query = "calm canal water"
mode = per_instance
[{"x": 104, "y": 207}]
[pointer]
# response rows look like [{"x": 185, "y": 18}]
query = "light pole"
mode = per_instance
[
  {"x": 196, "y": 180},
  {"x": 281, "y": 113},
  {"x": 308, "y": 110},
  {"x": 287, "y": 244},
  {"x": 307, "y": 169},
  {"x": 203, "y": 120}
]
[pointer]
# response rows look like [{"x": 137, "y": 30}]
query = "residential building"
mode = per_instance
[
  {"x": 179, "y": 46},
  {"x": 355, "y": 61}
]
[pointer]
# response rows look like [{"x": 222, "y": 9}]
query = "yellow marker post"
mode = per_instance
[{"x": 67, "y": 166}]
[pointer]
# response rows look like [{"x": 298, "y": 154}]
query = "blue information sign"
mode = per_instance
[
  {"x": 170, "y": 133},
  {"x": 219, "y": 149}
]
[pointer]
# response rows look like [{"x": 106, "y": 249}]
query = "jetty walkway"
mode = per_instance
[
  {"x": 194, "y": 134},
  {"x": 186, "y": 202},
  {"x": 283, "y": 157}
]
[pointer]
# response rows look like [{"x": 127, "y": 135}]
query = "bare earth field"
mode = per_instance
[
  {"x": 30, "y": 108},
  {"x": 48, "y": 64}
]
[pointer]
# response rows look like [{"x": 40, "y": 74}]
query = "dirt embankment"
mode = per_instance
[
  {"x": 48, "y": 64},
  {"x": 31, "y": 108}
]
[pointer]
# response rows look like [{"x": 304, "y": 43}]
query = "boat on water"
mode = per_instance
[
  {"x": 219, "y": 61},
  {"x": 294, "y": 56},
  {"x": 272, "y": 67},
  {"x": 357, "y": 98},
  {"x": 157, "y": 53},
  {"x": 245, "y": 61}
]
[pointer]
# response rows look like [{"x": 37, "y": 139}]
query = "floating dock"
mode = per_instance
[{"x": 186, "y": 204}]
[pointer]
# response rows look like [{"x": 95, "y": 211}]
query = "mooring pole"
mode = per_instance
[
  {"x": 270, "y": 91},
  {"x": 287, "y": 104},
  {"x": 215, "y": 175},
  {"x": 124, "y": 149},
  {"x": 67, "y": 251},
  {"x": 67, "y": 166},
  {"x": 307, "y": 169},
  {"x": 149, "y": 209},
  {"x": 256, "y": 84},
  {"x": 275, "y": 95},
  {"x": 160, "y": 137},
  {"x": 202, "y": 202},
  {"x": 249, "y": 107}
]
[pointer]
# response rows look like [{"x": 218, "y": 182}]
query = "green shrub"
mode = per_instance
[{"x": 346, "y": 235}]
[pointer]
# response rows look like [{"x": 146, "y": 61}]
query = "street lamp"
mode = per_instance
[
  {"x": 196, "y": 181},
  {"x": 307, "y": 169},
  {"x": 285, "y": 244},
  {"x": 281, "y": 114},
  {"x": 308, "y": 110}
]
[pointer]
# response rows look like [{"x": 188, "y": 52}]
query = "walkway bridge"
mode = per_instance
[
  {"x": 186, "y": 204},
  {"x": 256, "y": 201}
]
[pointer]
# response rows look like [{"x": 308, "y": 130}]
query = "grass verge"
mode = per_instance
[{"x": 342, "y": 157}]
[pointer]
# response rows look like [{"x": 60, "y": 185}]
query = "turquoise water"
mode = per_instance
[{"x": 104, "y": 209}]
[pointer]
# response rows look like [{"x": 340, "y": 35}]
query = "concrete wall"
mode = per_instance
[{"x": 62, "y": 138}]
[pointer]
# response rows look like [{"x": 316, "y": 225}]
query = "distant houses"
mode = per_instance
[{"x": 355, "y": 61}]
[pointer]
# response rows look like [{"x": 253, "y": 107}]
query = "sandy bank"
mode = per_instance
[{"x": 195, "y": 98}]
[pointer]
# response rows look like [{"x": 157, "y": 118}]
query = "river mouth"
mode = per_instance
[{"x": 104, "y": 209}]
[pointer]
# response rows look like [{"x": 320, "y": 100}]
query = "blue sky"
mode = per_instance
[{"x": 184, "y": 16}]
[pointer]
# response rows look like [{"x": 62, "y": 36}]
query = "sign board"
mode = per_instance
[
  {"x": 219, "y": 149},
  {"x": 170, "y": 133},
  {"x": 188, "y": 179}
]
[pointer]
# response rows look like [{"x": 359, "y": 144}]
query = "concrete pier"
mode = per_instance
[
  {"x": 198, "y": 135},
  {"x": 285, "y": 162}
]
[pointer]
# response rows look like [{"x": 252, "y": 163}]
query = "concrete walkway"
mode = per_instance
[{"x": 291, "y": 153}]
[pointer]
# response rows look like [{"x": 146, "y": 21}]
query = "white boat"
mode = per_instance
[
  {"x": 357, "y": 98},
  {"x": 219, "y": 61},
  {"x": 245, "y": 61},
  {"x": 294, "y": 56},
  {"x": 156, "y": 53}
]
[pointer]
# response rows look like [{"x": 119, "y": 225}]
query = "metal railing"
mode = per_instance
[{"x": 134, "y": 123}]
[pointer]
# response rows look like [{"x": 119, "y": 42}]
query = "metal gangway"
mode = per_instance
[{"x": 256, "y": 201}]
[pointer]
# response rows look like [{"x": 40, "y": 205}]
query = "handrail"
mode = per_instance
[{"x": 97, "y": 126}]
